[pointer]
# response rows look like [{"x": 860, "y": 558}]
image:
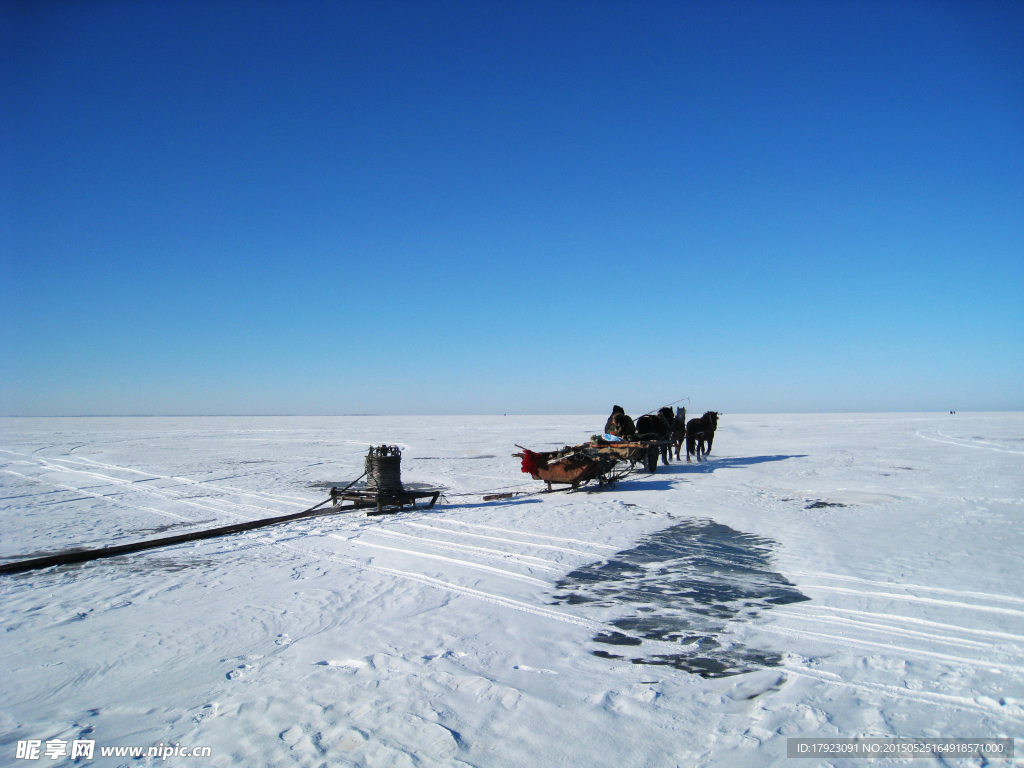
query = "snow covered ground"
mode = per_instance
[{"x": 822, "y": 575}]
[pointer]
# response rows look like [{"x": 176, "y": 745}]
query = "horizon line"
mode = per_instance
[{"x": 365, "y": 415}]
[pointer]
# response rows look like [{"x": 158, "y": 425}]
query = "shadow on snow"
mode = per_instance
[{"x": 681, "y": 467}]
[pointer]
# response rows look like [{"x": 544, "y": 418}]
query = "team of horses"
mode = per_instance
[{"x": 666, "y": 425}]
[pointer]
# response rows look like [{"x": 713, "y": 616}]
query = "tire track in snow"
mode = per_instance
[
  {"x": 261, "y": 495},
  {"x": 974, "y": 440},
  {"x": 107, "y": 499},
  {"x": 905, "y": 694},
  {"x": 921, "y": 622},
  {"x": 893, "y": 630},
  {"x": 894, "y": 649},
  {"x": 942, "y": 590},
  {"x": 117, "y": 482},
  {"x": 524, "y": 533},
  {"x": 967, "y": 445},
  {"x": 491, "y": 554},
  {"x": 150, "y": 491},
  {"x": 505, "y": 602},
  {"x": 915, "y": 599},
  {"x": 84, "y": 461},
  {"x": 496, "y": 538},
  {"x": 464, "y": 563}
]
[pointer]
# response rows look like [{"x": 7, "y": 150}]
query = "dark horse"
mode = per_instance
[
  {"x": 700, "y": 434},
  {"x": 657, "y": 426},
  {"x": 679, "y": 430}
]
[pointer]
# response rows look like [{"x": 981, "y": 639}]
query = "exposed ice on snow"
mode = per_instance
[{"x": 685, "y": 584}]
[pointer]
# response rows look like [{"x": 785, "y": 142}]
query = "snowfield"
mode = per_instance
[{"x": 821, "y": 575}]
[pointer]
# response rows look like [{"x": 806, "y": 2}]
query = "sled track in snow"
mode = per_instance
[
  {"x": 83, "y": 461},
  {"x": 923, "y": 697},
  {"x": 525, "y": 533},
  {"x": 496, "y": 538},
  {"x": 136, "y": 486},
  {"x": 890, "y": 630},
  {"x": 279, "y": 498},
  {"x": 985, "y": 447},
  {"x": 154, "y": 492},
  {"x": 921, "y": 622},
  {"x": 492, "y": 554},
  {"x": 897, "y": 651},
  {"x": 464, "y": 563},
  {"x": 99, "y": 496},
  {"x": 941, "y": 590},
  {"x": 125, "y": 484},
  {"x": 505, "y": 602},
  {"x": 916, "y": 599}
]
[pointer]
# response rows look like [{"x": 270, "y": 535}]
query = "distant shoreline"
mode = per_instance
[{"x": 444, "y": 415}]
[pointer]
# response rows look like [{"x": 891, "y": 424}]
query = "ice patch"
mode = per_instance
[{"x": 685, "y": 584}]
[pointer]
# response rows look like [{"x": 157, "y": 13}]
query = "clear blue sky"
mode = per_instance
[{"x": 516, "y": 207}]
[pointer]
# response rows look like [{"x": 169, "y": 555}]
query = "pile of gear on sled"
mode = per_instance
[{"x": 625, "y": 444}]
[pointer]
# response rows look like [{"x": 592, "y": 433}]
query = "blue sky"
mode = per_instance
[{"x": 431, "y": 207}]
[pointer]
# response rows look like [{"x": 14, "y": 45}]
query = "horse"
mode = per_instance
[
  {"x": 700, "y": 435},
  {"x": 657, "y": 426},
  {"x": 679, "y": 430}
]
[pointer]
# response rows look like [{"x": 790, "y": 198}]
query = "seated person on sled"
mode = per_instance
[{"x": 619, "y": 424}]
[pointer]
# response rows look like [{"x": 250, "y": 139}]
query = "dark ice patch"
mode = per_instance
[
  {"x": 684, "y": 585},
  {"x": 819, "y": 504}
]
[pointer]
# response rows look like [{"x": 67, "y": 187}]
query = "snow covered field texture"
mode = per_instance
[{"x": 821, "y": 575}]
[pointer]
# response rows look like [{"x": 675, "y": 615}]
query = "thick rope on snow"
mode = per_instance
[
  {"x": 384, "y": 468},
  {"x": 85, "y": 555}
]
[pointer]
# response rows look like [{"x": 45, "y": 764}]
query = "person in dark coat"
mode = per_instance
[{"x": 619, "y": 423}]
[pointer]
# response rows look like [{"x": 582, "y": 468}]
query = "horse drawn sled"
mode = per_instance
[
  {"x": 610, "y": 457},
  {"x": 600, "y": 459}
]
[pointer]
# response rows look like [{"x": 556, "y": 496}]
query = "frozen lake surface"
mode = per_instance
[{"x": 822, "y": 575}]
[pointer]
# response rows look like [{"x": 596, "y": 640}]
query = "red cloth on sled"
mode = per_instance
[{"x": 529, "y": 462}]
